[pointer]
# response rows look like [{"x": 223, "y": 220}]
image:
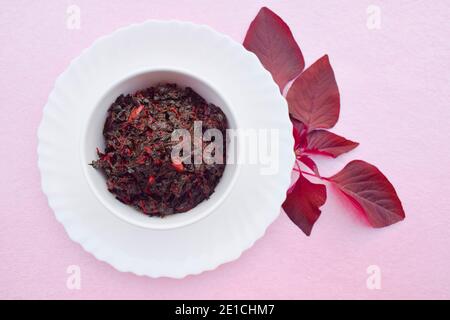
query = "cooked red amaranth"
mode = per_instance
[{"x": 137, "y": 157}]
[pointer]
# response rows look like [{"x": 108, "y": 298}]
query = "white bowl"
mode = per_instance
[{"x": 93, "y": 138}]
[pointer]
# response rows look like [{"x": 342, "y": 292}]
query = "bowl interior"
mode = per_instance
[{"x": 93, "y": 138}]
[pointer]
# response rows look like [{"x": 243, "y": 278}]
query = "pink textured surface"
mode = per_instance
[{"x": 394, "y": 85}]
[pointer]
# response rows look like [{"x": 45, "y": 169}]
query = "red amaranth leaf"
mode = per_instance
[
  {"x": 303, "y": 202},
  {"x": 299, "y": 141},
  {"x": 328, "y": 143},
  {"x": 310, "y": 164},
  {"x": 270, "y": 38},
  {"x": 298, "y": 125},
  {"x": 299, "y": 132},
  {"x": 314, "y": 96},
  {"x": 371, "y": 191}
]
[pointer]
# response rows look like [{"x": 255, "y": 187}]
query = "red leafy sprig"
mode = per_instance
[
  {"x": 302, "y": 206},
  {"x": 313, "y": 98},
  {"x": 270, "y": 38},
  {"x": 371, "y": 192},
  {"x": 314, "y": 106},
  {"x": 327, "y": 143}
]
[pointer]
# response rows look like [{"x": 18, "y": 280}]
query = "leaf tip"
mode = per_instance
[{"x": 266, "y": 9}]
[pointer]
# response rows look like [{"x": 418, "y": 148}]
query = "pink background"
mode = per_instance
[{"x": 394, "y": 85}]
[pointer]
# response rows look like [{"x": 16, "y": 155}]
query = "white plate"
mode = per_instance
[{"x": 251, "y": 204}]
